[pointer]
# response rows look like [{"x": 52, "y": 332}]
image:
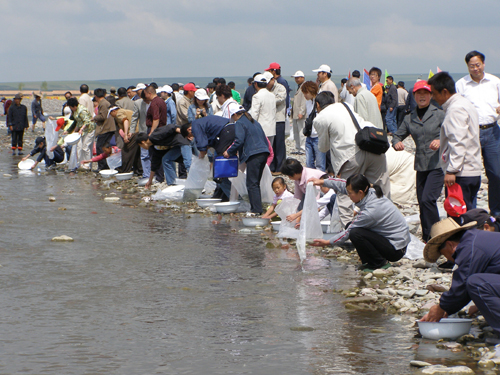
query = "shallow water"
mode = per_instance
[{"x": 147, "y": 292}]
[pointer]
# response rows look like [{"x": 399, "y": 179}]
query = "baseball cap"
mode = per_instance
[
  {"x": 323, "y": 68},
  {"x": 298, "y": 73},
  {"x": 273, "y": 66},
  {"x": 18, "y": 96},
  {"x": 3, "y": 98},
  {"x": 112, "y": 109},
  {"x": 454, "y": 204},
  {"x": 260, "y": 78},
  {"x": 189, "y": 87},
  {"x": 421, "y": 85},
  {"x": 201, "y": 94},
  {"x": 38, "y": 140},
  {"x": 268, "y": 76},
  {"x": 140, "y": 86},
  {"x": 61, "y": 122},
  {"x": 234, "y": 107}
]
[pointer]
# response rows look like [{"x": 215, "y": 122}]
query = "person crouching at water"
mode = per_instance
[
  {"x": 280, "y": 192},
  {"x": 251, "y": 145},
  {"x": 106, "y": 153},
  {"x": 168, "y": 146},
  {"x": 379, "y": 231},
  {"x": 41, "y": 147}
]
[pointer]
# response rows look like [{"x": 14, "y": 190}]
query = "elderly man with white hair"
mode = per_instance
[{"x": 365, "y": 103}]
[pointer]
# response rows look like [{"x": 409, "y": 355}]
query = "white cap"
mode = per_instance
[
  {"x": 112, "y": 109},
  {"x": 298, "y": 73},
  {"x": 165, "y": 88},
  {"x": 260, "y": 78},
  {"x": 168, "y": 89},
  {"x": 201, "y": 94},
  {"x": 268, "y": 76},
  {"x": 140, "y": 86},
  {"x": 233, "y": 108},
  {"x": 323, "y": 68}
]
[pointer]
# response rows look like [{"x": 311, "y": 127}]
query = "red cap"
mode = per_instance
[
  {"x": 274, "y": 66},
  {"x": 421, "y": 85},
  {"x": 454, "y": 204},
  {"x": 189, "y": 87},
  {"x": 60, "y": 123}
]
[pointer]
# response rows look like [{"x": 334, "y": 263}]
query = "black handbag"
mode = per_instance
[{"x": 370, "y": 138}]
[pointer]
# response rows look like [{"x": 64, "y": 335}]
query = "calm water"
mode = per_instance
[{"x": 148, "y": 292}]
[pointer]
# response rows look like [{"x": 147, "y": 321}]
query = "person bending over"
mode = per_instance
[{"x": 379, "y": 231}]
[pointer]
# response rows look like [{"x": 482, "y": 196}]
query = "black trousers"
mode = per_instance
[
  {"x": 470, "y": 186},
  {"x": 373, "y": 249},
  {"x": 255, "y": 168},
  {"x": 17, "y": 139},
  {"x": 131, "y": 156},
  {"x": 429, "y": 187},
  {"x": 400, "y": 114},
  {"x": 279, "y": 147},
  {"x": 101, "y": 140}
]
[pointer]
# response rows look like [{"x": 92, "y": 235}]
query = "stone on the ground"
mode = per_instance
[
  {"x": 52, "y": 199},
  {"x": 420, "y": 364},
  {"x": 62, "y": 238},
  {"x": 111, "y": 199}
]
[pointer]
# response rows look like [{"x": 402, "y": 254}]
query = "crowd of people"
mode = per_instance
[{"x": 454, "y": 126}]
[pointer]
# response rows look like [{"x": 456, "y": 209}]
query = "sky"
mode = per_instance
[{"x": 54, "y": 40}]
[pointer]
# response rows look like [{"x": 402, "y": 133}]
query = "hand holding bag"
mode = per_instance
[
  {"x": 225, "y": 167},
  {"x": 370, "y": 139}
]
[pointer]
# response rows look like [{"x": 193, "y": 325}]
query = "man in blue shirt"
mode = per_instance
[{"x": 476, "y": 275}]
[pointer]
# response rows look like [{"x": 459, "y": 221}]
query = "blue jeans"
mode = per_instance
[
  {"x": 490, "y": 149},
  {"x": 169, "y": 159},
  {"x": 390, "y": 119},
  {"x": 315, "y": 159},
  {"x": 146, "y": 163}
]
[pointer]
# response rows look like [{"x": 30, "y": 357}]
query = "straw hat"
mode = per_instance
[{"x": 440, "y": 232}]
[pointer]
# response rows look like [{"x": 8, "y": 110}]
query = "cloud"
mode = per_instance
[{"x": 91, "y": 39}]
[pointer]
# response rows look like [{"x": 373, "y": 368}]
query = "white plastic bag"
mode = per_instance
[
  {"x": 115, "y": 160},
  {"x": 335, "y": 223},
  {"x": 287, "y": 207},
  {"x": 197, "y": 177},
  {"x": 309, "y": 222},
  {"x": 171, "y": 193},
  {"x": 73, "y": 158},
  {"x": 415, "y": 249},
  {"x": 266, "y": 188},
  {"x": 209, "y": 187},
  {"x": 50, "y": 136},
  {"x": 239, "y": 183}
]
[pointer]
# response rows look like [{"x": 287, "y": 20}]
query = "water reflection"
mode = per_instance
[{"x": 143, "y": 292}]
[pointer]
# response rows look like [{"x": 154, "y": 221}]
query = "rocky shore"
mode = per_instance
[{"x": 408, "y": 288}]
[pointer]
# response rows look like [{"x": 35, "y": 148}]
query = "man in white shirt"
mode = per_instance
[
  {"x": 483, "y": 90},
  {"x": 365, "y": 103},
  {"x": 263, "y": 108},
  {"x": 86, "y": 100},
  {"x": 326, "y": 84},
  {"x": 299, "y": 115},
  {"x": 459, "y": 147},
  {"x": 279, "y": 147},
  {"x": 336, "y": 133}
]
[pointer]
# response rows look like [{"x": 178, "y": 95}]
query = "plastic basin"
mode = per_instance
[
  {"x": 226, "y": 207},
  {"x": 449, "y": 328},
  {"x": 255, "y": 221}
]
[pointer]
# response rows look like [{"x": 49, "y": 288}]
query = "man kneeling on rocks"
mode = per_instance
[
  {"x": 168, "y": 146},
  {"x": 476, "y": 275}
]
